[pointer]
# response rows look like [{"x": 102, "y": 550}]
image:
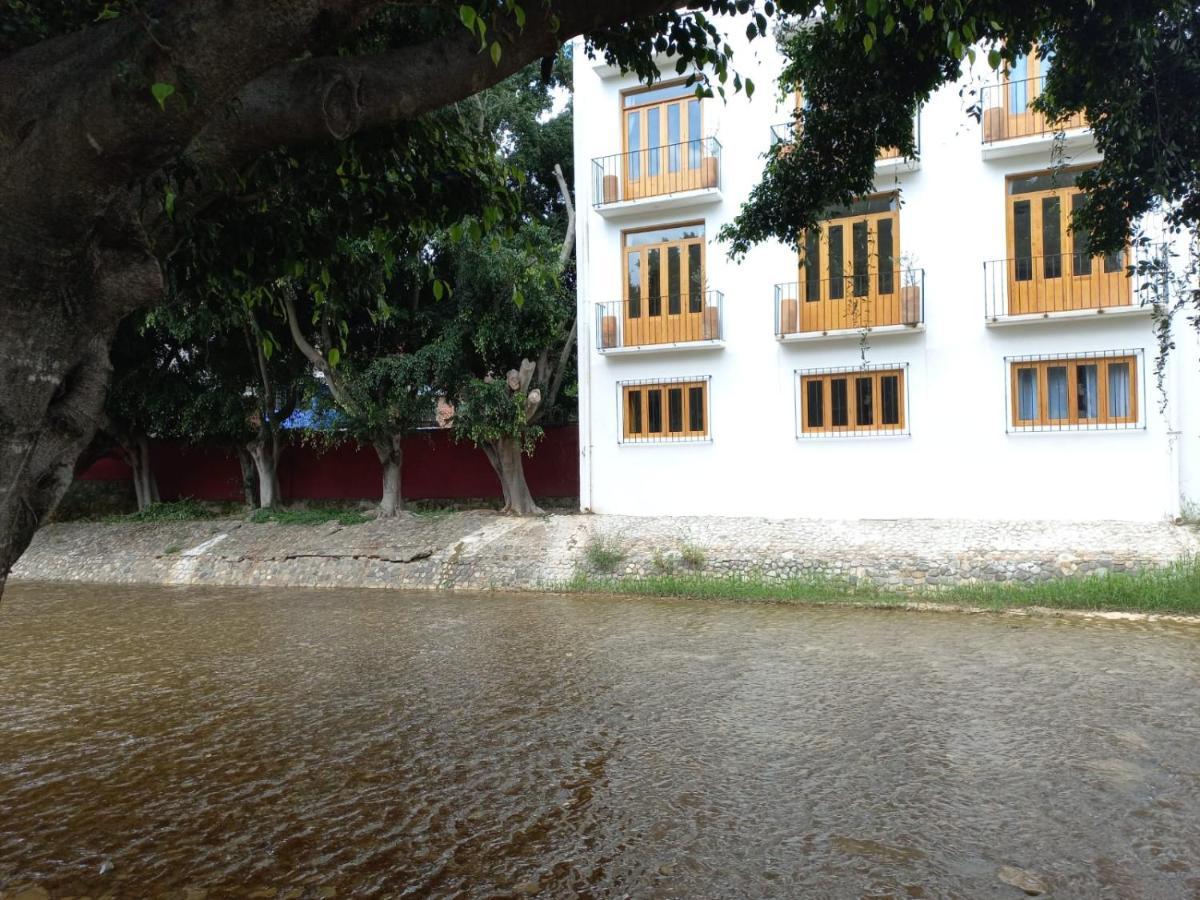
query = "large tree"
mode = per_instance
[{"x": 119, "y": 121}]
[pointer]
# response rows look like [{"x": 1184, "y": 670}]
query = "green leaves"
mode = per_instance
[
  {"x": 169, "y": 203},
  {"x": 495, "y": 53},
  {"x": 468, "y": 15},
  {"x": 161, "y": 90}
]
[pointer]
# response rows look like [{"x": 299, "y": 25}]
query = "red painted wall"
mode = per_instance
[{"x": 435, "y": 468}]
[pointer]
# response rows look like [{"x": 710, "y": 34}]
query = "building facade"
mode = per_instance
[{"x": 949, "y": 348}]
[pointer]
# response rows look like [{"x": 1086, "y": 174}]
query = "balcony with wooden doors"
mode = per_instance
[
  {"x": 1049, "y": 271},
  {"x": 851, "y": 277},
  {"x": 656, "y": 323},
  {"x": 1011, "y": 124},
  {"x": 666, "y": 162}
]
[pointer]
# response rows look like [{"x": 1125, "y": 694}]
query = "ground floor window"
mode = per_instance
[
  {"x": 664, "y": 410},
  {"x": 1082, "y": 391},
  {"x": 867, "y": 401}
]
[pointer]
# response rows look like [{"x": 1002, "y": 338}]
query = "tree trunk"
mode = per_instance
[
  {"x": 508, "y": 461},
  {"x": 249, "y": 478},
  {"x": 265, "y": 460},
  {"x": 391, "y": 456},
  {"x": 145, "y": 485}
]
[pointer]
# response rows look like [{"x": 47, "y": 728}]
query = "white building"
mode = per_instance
[{"x": 954, "y": 353}]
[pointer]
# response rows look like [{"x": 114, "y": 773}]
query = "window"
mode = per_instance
[
  {"x": 665, "y": 290},
  {"x": 670, "y": 410},
  {"x": 1095, "y": 390},
  {"x": 664, "y": 142},
  {"x": 857, "y": 401}
]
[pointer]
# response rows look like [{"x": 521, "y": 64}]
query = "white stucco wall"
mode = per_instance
[{"x": 959, "y": 459}]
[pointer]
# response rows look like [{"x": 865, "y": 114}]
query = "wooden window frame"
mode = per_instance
[
  {"x": 1103, "y": 421},
  {"x": 663, "y": 387},
  {"x": 853, "y": 428}
]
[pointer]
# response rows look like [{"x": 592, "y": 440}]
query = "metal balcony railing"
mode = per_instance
[
  {"x": 1007, "y": 112},
  {"x": 667, "y": 319},
  {"x": 1062, "y": 282},
  {"x": 669, "y": 169},
  {"x": 873, "y": 299},
  {"x": 784, "y": 132}
]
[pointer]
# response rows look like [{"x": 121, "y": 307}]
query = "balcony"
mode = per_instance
[
  {"x": 1010, "y": 125},
  {"x": 670, "y": 176},
  {"x": 880, "y": 302},
  {"x": 669, "y": 322},
  {"x": 888, "y": 160},
  {"x": 1061, "y": 286}
]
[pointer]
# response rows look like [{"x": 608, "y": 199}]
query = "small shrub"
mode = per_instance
[
  {"x": 693, "y": 556},
  {"x": 175, "y": 511},
  {"x": 604, "y": 554},
  {"x": 662, "y": 564}
]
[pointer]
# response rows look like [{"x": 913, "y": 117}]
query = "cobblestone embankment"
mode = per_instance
[{"x": 482, "y": 550}]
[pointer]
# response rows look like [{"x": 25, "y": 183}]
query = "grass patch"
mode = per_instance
[
  {"x": 604, "y": 554},
  {"x": 693, "y": 556},
  {"x": 312, "y": 515},
  {"x": 185, "y": 510},
  {"x": 1175, "y": 589},
  {"x": 172, "y": 550}
]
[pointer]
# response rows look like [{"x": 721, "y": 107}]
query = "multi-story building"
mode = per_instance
[{"x": 948, "y": 349}]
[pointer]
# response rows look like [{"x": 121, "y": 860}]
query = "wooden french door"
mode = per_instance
[
  {"x": 664, "y": 142},
  {"x": 1022, "y": 84},
  {"x": 848, "y": 270},
  {"x": 664, "y": 285},
  {"x": 1050, "y": 267}
]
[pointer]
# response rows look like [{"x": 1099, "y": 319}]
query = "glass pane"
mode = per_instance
[
  {"x": 864, "y": 402},
  {"x": 654, "y": 281},
  {"x": 862, "y": 277},
  {"x": 675, "y": 409},
  {"x": 1115, "y": 262},
  {"x": 837, "y": 289},
  {"x": 694, "y": 134},
  {"x": 633, "y": 278},
  {"x": 1027, "y": 403},
  {"x": 653, "y": 141},
  {"x": 812, "y": 266},
  {"x": 696, "y": 409},
  {"x": 659, "y": 94},
  {"x": 1044, "y": 181},
  {"x": 880, "y": 203},
  {"x": 633, "y": 136},
  {"x": 673, "y": 137},
  {"x": 1022, "y": 240},
  {"x": 1082, "y": 260},
  {"x": 674, "y": 288},
  {"x": 889, "y": 391},
  {"x": 814, "y": 403},
  {"x": 695, "y": 279},
  {"x": 1051, "y": 237},
  {"x": 1119, "y": 390},
  {"x": 1057, "y": 404},
  {"x": 664, "y": 235},
  {"x": 1018, "y": 87},
  {"x": 654, "y": 411},
  {"x": 1087, "y": 403},
  {"x": 838, "y": 403},
  {"x": 886, "y": 255},
  {"x": 635, "y": 412}
]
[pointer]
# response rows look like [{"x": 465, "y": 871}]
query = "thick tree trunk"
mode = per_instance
[
  {"x": 265, "y": 464},
  {"x": 508, "y": 461},
  {"x": 391, "y": 458},
  {"x": 249, "y": 477}
]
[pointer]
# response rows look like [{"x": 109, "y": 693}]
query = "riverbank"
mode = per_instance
[{"x": 1145, "y": 566}]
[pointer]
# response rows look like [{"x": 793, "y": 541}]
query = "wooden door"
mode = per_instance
[
  {"x": 664, "y": 143},
  {"x": 848, "y": 270},
  {"x": 664, "y": 285},
  {"x": 1021, "y": 85},
  {"x": 1050, "y": 267}
]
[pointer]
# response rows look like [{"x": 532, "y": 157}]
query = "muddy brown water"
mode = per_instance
[{"x": 311, "y": 743}]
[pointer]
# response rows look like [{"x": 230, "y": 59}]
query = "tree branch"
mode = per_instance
[{"x": 569, "y": 238}]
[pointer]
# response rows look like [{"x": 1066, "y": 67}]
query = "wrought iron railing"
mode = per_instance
[
  {"x": 669, "y": 169},
  {"x": 1007, "y": 112},
  {"x": 683, "y": 318},
  {"x": 872, "y": 299},
  {"x": 1063, "y": 282}
]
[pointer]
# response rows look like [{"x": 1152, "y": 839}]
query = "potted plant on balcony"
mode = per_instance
[
  {"x": 910, "y": 292},
  {"x": 608, "y": 327},
  {"x": 711, "y": 327}
]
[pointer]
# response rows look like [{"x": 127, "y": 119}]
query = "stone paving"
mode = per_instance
[{"x": 483, "y": 550}]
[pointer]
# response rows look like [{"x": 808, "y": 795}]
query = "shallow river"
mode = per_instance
[{"x": 292, "y": 743}]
